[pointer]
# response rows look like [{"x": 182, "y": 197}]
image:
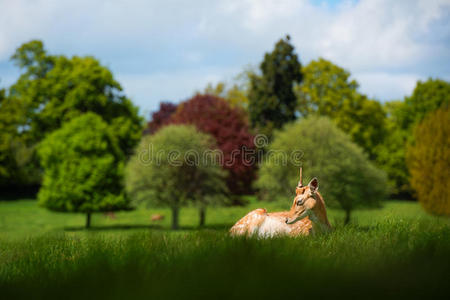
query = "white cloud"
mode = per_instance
[{"x": 377, "y": 34}]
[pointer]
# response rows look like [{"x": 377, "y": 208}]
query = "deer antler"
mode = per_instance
[{"x": 300, "y": 181}]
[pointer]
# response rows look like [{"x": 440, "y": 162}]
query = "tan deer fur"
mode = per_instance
[{"x": 307, "y": 216}]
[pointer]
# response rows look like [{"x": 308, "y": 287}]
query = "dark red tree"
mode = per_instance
[
  {"x": 160, "y": 117},
  {"x": 213, "y": 115}
]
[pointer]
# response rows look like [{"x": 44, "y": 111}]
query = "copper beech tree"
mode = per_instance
[{"x": 160, "y": 117}]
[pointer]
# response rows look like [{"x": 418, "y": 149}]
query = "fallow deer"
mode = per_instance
[
  {"x": 307, "y": 216},
  {"x": 156, "y": 217}
]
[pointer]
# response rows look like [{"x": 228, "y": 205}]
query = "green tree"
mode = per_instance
[
  {"x": 235, "y": 95},
  {"x": 392, "y": 152},
  {"x": 272, "y": 101},
  {"x": 403, "y": 117},
  {"x": 427, "y": 97},
  {"x": 348, "y": 179},
  {"x": 17, "y": 163},
  {"x": 235, "y": 92},
  {"x": 428, "y": 160},
  {"x": 83, "y": 168},
  {"x": 327, "y": 90},
  {"x": 7, "y": 133},
  {"x": 53, "y": 89},
  {"x": 174, "y": 167}
]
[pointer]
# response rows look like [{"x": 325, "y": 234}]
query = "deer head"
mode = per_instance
[{"x": 304, "y": 201}]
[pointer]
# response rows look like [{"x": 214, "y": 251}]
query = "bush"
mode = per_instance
[
  {"x": 169, "y": 169},
  {"x": 83, "y": 168},
  {"x": 347, "y": 179},
  {"x": 428, "y": 161},
  {"x": 228, "y": 125}
]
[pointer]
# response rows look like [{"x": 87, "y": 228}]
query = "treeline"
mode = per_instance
[
  {"x": 383, "y": 130},
  {"x": 52, "y": 90},
  {"x": 66, "y": 125}
]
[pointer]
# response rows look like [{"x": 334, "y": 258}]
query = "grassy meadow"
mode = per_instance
[{"x": 397, "y": 251}]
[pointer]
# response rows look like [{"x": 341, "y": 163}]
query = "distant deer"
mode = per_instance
[
  {"x": 110, "y": 214},
  {"x": 307, "y": 216},
  {"x": 157, "y": 217}
]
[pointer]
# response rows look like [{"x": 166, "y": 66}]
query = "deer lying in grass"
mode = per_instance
[
  {"x": 156, "y": 217},
  {"x": 307, "y": 216}
]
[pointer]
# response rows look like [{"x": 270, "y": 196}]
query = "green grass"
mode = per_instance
[
  {"x": 25, "y": 218},
  {"x": 394, "y": 252}
]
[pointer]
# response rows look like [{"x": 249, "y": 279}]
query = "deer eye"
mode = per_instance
[{"x": 300, "y": 202}]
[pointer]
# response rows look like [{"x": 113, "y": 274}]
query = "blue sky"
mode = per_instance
[{"x": 166, "y": 50}]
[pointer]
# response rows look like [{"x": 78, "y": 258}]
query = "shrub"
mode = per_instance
[
  {"x": 169, "y": 169},
  {"x": 228, "y": 125},
  {"x": 428, "y": 160},
  {"x": 347, "y": 179},
  {"x": 83, "y": 168}
]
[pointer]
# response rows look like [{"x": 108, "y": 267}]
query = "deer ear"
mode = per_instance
[{"x": 313, "y": 185}]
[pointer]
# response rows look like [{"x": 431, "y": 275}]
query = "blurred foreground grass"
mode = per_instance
[{"x": 394, "y": 252}]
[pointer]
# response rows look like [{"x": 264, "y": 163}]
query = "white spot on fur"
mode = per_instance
[{"x": 273, "y": 226}]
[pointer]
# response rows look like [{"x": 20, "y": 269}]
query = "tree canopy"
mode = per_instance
[
  {"x": 427, "y": 97},
  {"x": 272, "y": 101},
  {"x": 403, "y": 117},
  {"x": 161, "y": 117},
  {"x": 348, "y": 179},
  {"x": 54, "y": 89},
  {"x": 229, "y": 126},
  {"x": 83, "y": 168},
  {"x": 428, "y": 161},
  {"x": 328, "y": 90},
  {"x": 172, "y": 168},
  {"x": 51, "y": 90}
]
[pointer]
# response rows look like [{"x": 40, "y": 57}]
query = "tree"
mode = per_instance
[
  {"x": 428, "y": 160},
  {"x": 234, "y": 92},
  {"x": 235, "y": 96},
  {"x": 427, "y": 97},
  {"x": 161, "y": 117},
  {"x": 17, "y": 166},
  {"x": 173, "y": 167},
  {"x": 53, "y": 89},
  {"x": 392, "y": 152},
  {"x": 348, "y": 179},
  {"x": 7, "y": 133},
  {"x": 272, "y": 101},
  {"x": 403, "y": 116},
  {"x": 327, "y": 90},
  {"x": 228, "y": 125},
  {"x": 83, "y": 168}
]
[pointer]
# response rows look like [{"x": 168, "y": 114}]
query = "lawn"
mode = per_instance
[
  {"x": 25, "y": 218},
  {"x": 397, "y": 251}
]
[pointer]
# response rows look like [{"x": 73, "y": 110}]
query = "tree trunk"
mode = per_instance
[
  {"x": 88, "y": 220},
  {"x": 347, "y": 216},
  {"x": 175, "y": 212},
  {"x": 202, "y": 215}
]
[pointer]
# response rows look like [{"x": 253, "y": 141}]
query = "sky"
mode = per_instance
[{"x": 167, "y": 50}]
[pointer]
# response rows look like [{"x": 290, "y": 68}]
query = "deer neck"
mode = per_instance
[{"x": 318, "y": 215}]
